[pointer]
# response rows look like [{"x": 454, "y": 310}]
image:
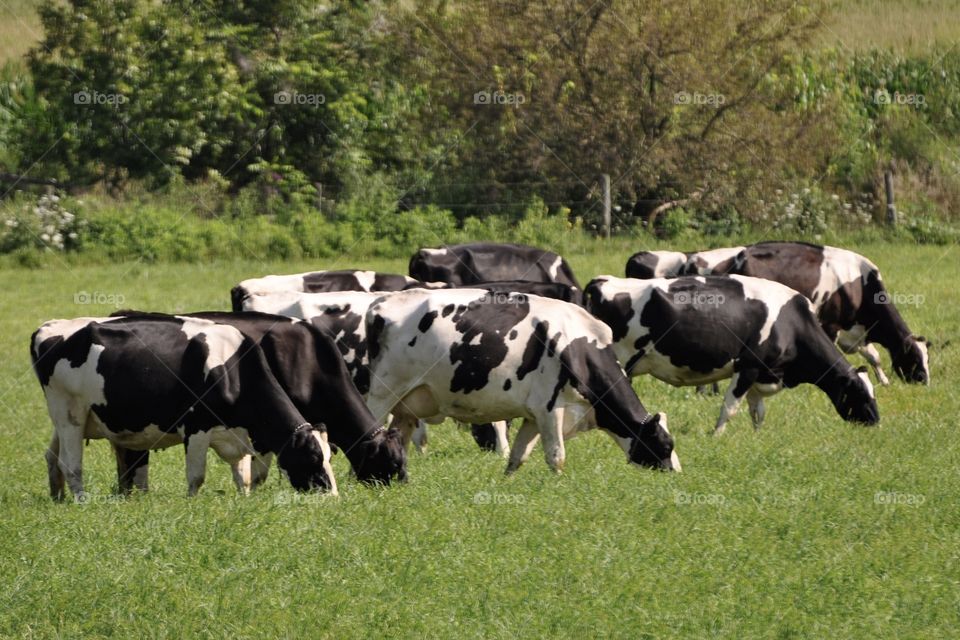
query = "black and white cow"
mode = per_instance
[
  {"x": 695, "y": 330},
  {"x": 670, "y": 264},
  {"x": 464, "y": 354},
  {"x": 846, "y": 289},
  {"x": 465, "y": 264},
  {"x": 320, "y": 281},
  {"x": 153, "y": 382},
  {"x": 307, "y": 363}
]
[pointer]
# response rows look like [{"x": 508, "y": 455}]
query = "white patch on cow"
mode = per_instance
[
  {"x": 434, "y": 252},
  {"x": 275, "y": 284},
  {"x": 712, "y": 258},
  {"x": 222, "y": 340},
  {"x": 63, "y": 329},
  {"x": 839, "y": 268},
  {"x": 555, "y": 268},
  {"x": 925, "y": 358},
  {"x": 150, "y": 437},
  {"x": 80, "y": 382},
  {"x": 365, "y": 279},
  {"x": 323, "y": 440},
  {"x": 772, "y": 294}
]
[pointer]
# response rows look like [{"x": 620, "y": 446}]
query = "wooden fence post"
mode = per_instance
[
  {"x": 607, "y": 222},
  {"x": 891, "y": 206}
]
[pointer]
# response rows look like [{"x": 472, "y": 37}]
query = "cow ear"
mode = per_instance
[{"x": 661, "y": 419}]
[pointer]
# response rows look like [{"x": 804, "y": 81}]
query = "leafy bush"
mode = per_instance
[{"x": 45, "y": 224}]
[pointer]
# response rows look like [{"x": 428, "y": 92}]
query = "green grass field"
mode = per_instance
[{"x": 809, "y": 528}]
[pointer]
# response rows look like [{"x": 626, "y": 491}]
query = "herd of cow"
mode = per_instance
[{"x": 482, "y": 333}]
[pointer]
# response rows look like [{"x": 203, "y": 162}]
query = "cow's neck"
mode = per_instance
[{"x": 883, "y": 322}]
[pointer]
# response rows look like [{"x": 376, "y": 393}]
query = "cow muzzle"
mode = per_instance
[{"x": 672, "y": 463}]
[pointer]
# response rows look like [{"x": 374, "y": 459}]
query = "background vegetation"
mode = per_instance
[{"x": 184, "y": 130}]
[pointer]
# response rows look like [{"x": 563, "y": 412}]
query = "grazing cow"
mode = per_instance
[
  {"x": 695, "y": 330},
  {"x": 465, "y": 264},
  {"x": 850, "y": 299},
  {"x": 460, "y": 353},
  {"x": 151, "y": 382},
  {"x": 320, "y": 281},
  {"x": 308, "y": 365}
]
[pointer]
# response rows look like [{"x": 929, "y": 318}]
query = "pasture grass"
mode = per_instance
[{"x": 808, "y": 528}]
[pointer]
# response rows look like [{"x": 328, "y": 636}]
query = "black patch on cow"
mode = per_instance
[
  {"x": 482, "y": 262},
  {"x": 347, "y": 280},
  {"x": 552, "y": 345},
  {"x": 426, "y": 321},
  {"x": 513, "y": 334},
  {"x": 533, "y": 352},
  {"x": 703, "y": 337},
  {"x": 447, "y": 310},
  {"x": 490, "y": 321},
  {"x": 374, "y": 331},
  {"x": 412, "y": 342},
  {"x": 507, "y": 384},
  {"x": 615, "y": 313}
]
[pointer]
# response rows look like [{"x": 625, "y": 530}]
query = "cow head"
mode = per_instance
[
  {"x": 382, "y": 458},
  {"x": 305, "y": 460},
  {"x": 653, "y": 446},
  {"x": 912, "y": 363},
  {"x": 855, "y": 401}
]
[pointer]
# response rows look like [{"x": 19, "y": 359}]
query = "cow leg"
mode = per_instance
[
  {"x": 260, "y": 469},
  {"x": 419, "y": 437},
  {"x": 523, "y": 444},
  {"x": 854, "y": 340},
  {"x": 196, "y": 446},
  {"x": 242, "y": 474},
  {"x": 503, "y": 444},
  {"x": 757, "y": 408},
  {"x": 54, "y": 472},
  {"x": 739, "y": 384},
  {"x": 872, "y": 356},
  {"x": 69, "y": 421},
  {"x": 551, "y": 433},
  {"x": 132, "y": 468}
]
